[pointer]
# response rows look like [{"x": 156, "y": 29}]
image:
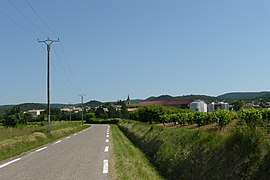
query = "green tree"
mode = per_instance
[
  {"x": 13, "y": 117},
  {"x": 89, "y": 117},
  {"x": 150, "y": 113},
  {"x": 124, "y": 111},
  {"x": 112, "y": 113},
  {"x": 237, "y": 105},
  {"x": 101, "y": 113},
  {"x": 56, "y": 114}
]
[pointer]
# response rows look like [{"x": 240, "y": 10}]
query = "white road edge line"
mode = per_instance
[
  {"x": 68, "y": 137},
  {"x": 107, "y": 140},
  {"x": 40, "y": 149},
  {"x": 107, "y": 136},
  {"x": 75, "y": 134},
  {"x": 57, "y": 142},
  {"x": 105, "y": 166},
  {"x": 106, "y": 149},
  {"x": 10, "y": 162}
]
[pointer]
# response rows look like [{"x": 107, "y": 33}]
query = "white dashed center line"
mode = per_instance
[{"x": 105, "y": 166}]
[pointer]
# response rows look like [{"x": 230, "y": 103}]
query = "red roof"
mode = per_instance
[{"x": 176, "y": 103}]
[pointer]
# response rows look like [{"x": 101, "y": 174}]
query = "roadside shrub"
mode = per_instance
[{"x": 14, "y": 117}]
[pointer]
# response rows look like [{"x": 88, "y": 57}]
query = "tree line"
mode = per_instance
[{"x": 15, "y": 117}]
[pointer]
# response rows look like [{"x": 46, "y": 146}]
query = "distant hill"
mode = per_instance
[
  {"x": 243, "y": 95},
  {"x": 160, "y": 98},
  {"x": 229, "y": 97},
  {"x": 205, "y": 98},
  {"x": 135, "y": 101},
  {"x": 93, "y": 103},
  {"x": 30, "y": 106},
  {"x": 185, "y": 97}
]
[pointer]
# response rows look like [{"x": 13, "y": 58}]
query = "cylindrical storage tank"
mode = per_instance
[
  {"x": 195, "y": 106},
  {"x": 204, "y": 107},
  {"x": 211, "y": 107},
  {"x": 224, "y": 106}
]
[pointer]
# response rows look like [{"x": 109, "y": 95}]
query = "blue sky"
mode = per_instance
[{"x": 110, "y": 49}]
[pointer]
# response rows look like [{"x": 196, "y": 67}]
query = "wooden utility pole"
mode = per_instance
[
  {"x": 82, "y": 95},
  {"x": 48, "y": 42}
]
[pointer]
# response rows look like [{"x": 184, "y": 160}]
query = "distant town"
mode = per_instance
[{"x": 197, "y": 103}]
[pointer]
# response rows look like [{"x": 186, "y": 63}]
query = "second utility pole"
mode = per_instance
[
  {"x": 48, "y": 42},
  {"x": 82, "y": 95}
]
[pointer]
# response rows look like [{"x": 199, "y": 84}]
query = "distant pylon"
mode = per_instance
[{"x": 82, "y": 95}]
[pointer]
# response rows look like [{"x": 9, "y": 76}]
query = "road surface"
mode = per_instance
[{"x": 83, "y": 155}]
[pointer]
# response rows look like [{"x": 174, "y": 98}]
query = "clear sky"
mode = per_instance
[{"x": 112, "y": 48}]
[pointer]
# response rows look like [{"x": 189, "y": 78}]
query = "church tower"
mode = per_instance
[{"x": 128, "y": 100}]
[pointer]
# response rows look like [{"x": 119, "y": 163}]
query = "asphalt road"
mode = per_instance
[{"x": 79, "y": 156}]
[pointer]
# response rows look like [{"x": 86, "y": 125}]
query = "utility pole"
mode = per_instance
[
  {"x": 48, "y": 42},
  {"x": 70, "y": 113},
  {"x": 82, "y": 95}
]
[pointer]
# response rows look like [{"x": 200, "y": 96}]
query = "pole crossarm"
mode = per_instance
[{"x": 48, "y": 41}]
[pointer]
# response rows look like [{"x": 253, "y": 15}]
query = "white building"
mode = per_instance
[
  {"x": 198, "y": 106},
  {"x": 218, "y": 105},
  {"x": 72, "y": 109},
  {"x": 35, "y": 112}
]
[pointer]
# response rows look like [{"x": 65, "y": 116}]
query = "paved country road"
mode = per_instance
[{"x": 80, "y": 156}]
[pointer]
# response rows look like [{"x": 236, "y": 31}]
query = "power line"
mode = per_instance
[
  {"x": 69, "y": 67},
  {"x": 66, "y": 74},
  {"x": 59, "y": 76},
  {"x": 63, "y": 51},
  {"x": 32, "y": 35},
  {"x": 23, "y": 14},
  {"x": 40, "y": 18},
  {"x": 18, "y": 24}
]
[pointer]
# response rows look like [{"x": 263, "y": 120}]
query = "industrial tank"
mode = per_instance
[
  {"x": 195, "y": 106},
  {"x": 211, "y": 107},
  {"x": 198, "y": 106}
]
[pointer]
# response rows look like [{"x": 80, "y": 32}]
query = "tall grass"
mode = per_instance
[
  {"x": 180, "y": 153},
  {"x": 14, "y": 141}
]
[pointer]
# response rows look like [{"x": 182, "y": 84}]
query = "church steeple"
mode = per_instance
[{"x": 128, "y": 100}]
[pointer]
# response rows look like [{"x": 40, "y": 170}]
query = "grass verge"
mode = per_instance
[
  {"x": 15, "y": 141},
  {"x": 180, "y": 153},
  {"x": 128, "y": 161}
]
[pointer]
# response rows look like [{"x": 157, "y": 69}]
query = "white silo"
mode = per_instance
[
  {"x": 195, "y": 106},
  {"x": 224, "y": 105},
  {"x": 198, "y": 106},
  {"x": 211, "y": 107}
]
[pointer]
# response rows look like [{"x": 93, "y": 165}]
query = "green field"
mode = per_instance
[{"x": 15, "y": 141}]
